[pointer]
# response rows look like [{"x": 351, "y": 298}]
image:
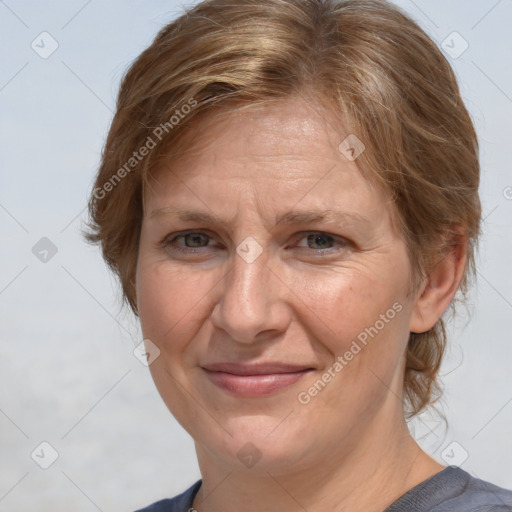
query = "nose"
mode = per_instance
[{"x": 252, "y": 306}]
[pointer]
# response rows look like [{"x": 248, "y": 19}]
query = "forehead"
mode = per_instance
[
  {"x": 291, "y": 128},
  {"x": 284, "y": 152}
]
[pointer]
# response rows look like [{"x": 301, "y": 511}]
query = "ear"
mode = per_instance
[{"x": 439, "y": 286}]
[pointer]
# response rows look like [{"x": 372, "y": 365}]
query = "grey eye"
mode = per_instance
[
  {"x": 320, "y": 241},
  {"x": 196, "y": 239}
]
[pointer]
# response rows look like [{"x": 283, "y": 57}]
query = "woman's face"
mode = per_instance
[{"x": 273, "y": 288}]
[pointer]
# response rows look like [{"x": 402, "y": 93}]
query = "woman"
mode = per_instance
[{"x": 289, "y": 195}]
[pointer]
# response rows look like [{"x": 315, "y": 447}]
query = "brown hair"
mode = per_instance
[{"x": 364, "y": 59}]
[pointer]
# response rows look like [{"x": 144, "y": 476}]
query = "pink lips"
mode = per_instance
[{"x": 256, "y": 379}]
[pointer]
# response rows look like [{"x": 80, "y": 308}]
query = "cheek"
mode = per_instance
[
  {"x": 359, "y": 325},
  {"x": 171, "y": 303},
  {"x": 344, "y": 305},
  {"x": 360, "y": 330}
]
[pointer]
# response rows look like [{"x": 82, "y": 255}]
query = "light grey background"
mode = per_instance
[{"x": 67, "y": 372}]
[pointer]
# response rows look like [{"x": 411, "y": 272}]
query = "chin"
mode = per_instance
[{"x": 260, "y": 444}]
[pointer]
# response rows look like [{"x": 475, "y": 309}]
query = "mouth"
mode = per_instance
[{"x": 256, "y": 379}]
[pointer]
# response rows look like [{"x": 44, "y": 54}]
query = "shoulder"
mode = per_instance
[
  {"x": 473, "y": 494},
  {"x": 454, "y": 490},
  {"x": 483, "y": 496},
  {"x": 181, "y": 503}
]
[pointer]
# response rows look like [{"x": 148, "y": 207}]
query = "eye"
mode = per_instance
[
  {"x": 194, "y": 239},
  {"x": 197, "y": 242},
  {"x": 319, "y": 242},
  {"x": 191, "y": 242}
]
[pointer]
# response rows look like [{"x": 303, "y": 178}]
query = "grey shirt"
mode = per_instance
[{"x": 451, "y": 490}]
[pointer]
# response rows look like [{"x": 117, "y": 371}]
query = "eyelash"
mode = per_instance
[{"x": 168, "y": 240}]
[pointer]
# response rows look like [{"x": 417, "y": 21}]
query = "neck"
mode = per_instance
[{"x": 367, "y": 472}]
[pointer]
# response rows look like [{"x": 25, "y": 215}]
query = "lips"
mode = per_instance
[{"x": 254, "y": 379}]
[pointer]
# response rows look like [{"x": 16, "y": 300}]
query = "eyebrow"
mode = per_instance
[
  {"x": 288, "y": 218},
  {"x": 311, "y": 216},
  {"x": 185, "y": 214}
]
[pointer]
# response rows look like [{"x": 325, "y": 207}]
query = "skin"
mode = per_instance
[{"x": 303, "y": 300}]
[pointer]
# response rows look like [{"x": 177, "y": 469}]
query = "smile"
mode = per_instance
[{"x": 254, "y": 380}]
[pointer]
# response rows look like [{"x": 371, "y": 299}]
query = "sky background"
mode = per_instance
[{"x": 68, "y": 376}]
